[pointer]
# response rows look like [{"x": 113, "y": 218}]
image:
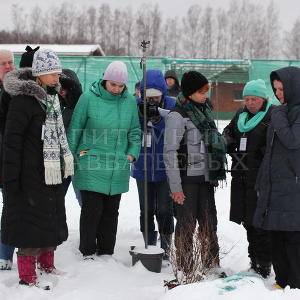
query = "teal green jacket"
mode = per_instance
[{"x": 103, "y": 130}]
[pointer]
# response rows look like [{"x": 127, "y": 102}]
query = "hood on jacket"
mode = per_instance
[
  {"x": 21, "y": 82},
  {"x": 70, "y": 82},
  {"x": 98, "y": 89},
  {"x": 290, "y": 78},
  {"x": 155, "y": 80},
  {"x": 172, "y": 74}
]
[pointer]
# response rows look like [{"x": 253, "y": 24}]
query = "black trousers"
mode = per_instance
[
  {"x": 260, "y": 246},
  {"x": 98, "y": 223},
  {"x": 199, "y": 206},
  {"x": 160, "y": 204},
  {"x": 286, "y": 258}
]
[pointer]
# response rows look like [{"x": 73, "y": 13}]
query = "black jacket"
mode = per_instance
[
  {"x": 278, "y": 206},
  {"x": 175, "y": 89},
  {"x": 34, "y": 213},
  {"x": 4, "y": 102},
  {"x": 245, "y": 165},
  {"x": 70, "y": 82}
]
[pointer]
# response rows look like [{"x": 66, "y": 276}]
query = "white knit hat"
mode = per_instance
[
  {"x": 45, "y": 62},
  {"x": 116, "y": 71}
]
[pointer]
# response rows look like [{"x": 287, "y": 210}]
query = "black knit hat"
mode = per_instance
[
  {"x": 191, "y": 82},
  {"x": 27, "y": 57}
]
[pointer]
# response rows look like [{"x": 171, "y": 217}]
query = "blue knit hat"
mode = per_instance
[
  {"x": 45, "y": 62},
  {"x": 256, "y": 88}
]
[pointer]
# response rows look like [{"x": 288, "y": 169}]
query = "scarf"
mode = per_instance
[
  {"x": 245, "y": 125},
  {"x": 55, "y": 143},
  {"x": 214, "y": 142}
]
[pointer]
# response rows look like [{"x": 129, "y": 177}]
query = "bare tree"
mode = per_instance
[
  {"x": 128, "y": 29},
  {"x": 292, "y": 41},
  {"x": 222, "y": 30},
  {"x": 104, "y": 26},
  {"x": 191, "y": 28},
  {"x": 19, "y": 22},
  {"x": 91, "y": 23},
  {"x": 206, "y": 44},
  {"x": 80, "y": 28}
]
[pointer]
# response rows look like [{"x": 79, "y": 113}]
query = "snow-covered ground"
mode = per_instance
[{"x": 114, "y": 278}]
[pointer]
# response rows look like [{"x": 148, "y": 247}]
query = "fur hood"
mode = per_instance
[{"x": 21, "y": 82}]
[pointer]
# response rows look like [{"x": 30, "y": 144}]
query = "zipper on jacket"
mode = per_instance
[
  {"x": 117, "y": 139},
  {"x": 153, "y": 151}
]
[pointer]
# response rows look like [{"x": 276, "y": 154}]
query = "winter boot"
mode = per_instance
[
  {"x": 46, "y": 262},
  {"x": 152, "y": 238},
  {"x": 26, "y": 268},
  {"x": 263, "y": 269},
  {"x": 165, "y": 243}
]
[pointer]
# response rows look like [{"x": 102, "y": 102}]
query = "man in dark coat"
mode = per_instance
[
  {"x": 6, "y": 65},
  {"x": 278, "y": 206},
  {"x": 246, "y": 143},
  {"x": 172, "y": 83}
]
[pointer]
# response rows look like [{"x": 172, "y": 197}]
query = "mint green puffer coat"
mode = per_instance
[{"x": 103, "y": 130}]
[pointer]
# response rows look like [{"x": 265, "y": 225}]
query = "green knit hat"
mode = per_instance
[{"x": 256, "y": 88}]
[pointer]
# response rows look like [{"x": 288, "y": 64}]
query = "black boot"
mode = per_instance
[
  {"x": 165, "y": 243},
  {"x": 152, "y": 238}
]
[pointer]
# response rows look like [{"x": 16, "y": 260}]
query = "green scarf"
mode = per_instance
[
  {"x": 214, "y": 142},
  {"x": 245, "y": 125}
]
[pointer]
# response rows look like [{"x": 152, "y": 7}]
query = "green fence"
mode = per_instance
[{"x": 91, "y": 68}]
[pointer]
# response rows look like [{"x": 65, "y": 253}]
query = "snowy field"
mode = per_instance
[{"x": 113, "y": 278}]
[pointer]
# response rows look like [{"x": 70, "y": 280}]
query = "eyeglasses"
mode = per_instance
[{"x": 4, "y": 63}]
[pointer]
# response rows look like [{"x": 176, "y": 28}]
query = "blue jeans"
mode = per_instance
[
  {"x": 160, "y": 204},
  {"x": 6, "y": 252}
]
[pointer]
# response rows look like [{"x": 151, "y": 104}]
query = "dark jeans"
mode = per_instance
[
  {"x": 66, "y": 183},
  {"x": 260, "y": 247},
  {"x": 98, "y": 223},
  {"x": 199, "y": 206},
  {"x": 160, "y": 204},
  {"x": 286, "y": 258}
]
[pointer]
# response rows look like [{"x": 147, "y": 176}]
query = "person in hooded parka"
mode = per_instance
[{"x": 278, "y": 186}]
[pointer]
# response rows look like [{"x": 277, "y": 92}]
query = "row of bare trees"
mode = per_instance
[{"x": 242, "y": 30}]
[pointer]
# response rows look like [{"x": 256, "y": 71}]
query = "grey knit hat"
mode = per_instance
[{"x": 44, "y": 62}]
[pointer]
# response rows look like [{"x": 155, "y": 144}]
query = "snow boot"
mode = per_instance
[
  {"x": 165, "y": 243},
  {"x": 26, "y": 269},
  {"x": 152, "y": 238},
  {"x": 46, "y": 262}
]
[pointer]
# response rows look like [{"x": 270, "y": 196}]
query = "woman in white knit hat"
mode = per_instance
[
  {"x": 104, "y": 137},
  {"x": 36, "y": 157}
]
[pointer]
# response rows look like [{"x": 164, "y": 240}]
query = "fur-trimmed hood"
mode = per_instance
[{"x": 21, "y": 82}]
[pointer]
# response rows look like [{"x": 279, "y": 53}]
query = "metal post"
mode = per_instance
[{"x": 144, "y": 45}]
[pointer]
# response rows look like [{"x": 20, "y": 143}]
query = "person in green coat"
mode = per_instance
[{"x": 104, "y": 137}]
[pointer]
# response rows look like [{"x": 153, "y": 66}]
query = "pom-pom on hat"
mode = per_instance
[
  {"x": 191, "y": 82},
  {"x": 116, "y": 71},
  {"x": 45, "y": 62},
  {"x": 256, "y": 88},
  {"x": 27, "y": 57}
]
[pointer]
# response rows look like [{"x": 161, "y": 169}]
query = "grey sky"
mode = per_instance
[{"x": 289, "y": 9}]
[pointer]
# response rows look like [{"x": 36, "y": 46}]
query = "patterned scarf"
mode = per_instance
[
  {"x": 245, "y": 125},
  {"x": 215, "y": 144},
  {"x": 55, "y": 143}
]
